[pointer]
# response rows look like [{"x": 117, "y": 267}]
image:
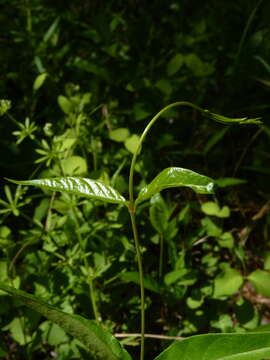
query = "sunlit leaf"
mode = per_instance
[
  {"x": 176, "y": 177},
  {"x": 132, "y": 143},
  {"x": 74, "y": 165},
  {"x": 249, "y": 346},
  {"x": 65, "y": 104},
  {"x": 100, "y": 343},
  {"x": 261, "y": 281},
  {"x": 77, "y": 186},
  {"x": 212, "y": 208},
  {"x": 39, "y": 81},
  {"x": 119, "y": 135},
  {"x": 227, "y": 283}
]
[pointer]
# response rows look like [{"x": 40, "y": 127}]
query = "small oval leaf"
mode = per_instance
[
  {"x": 100, "y": 343},
  {"x": 65, "y": 104},
  {"x": 78, "y": 186},
  {"x": 119, "y": 135},
  {"x": 249, "y": 346},
  {"x": 227, "y": 283},
  {"x": 39, "y": 81},
  {"x": 176, "y": 177}
]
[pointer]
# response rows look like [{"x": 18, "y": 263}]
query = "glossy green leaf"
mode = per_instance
[
  {"x": 176, "y": 177},
  {"x": 78, "y": 186},
  {"x": 261, "y": 281},
  {"x": 100, "y": 343},
  {"x": 249, "y": 346}
]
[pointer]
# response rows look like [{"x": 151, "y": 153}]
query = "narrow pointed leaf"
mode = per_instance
[
  {"x": 78, "y": 186},
  {"x": 226, "y": 120},
  {"x": 176, "y": 177},
  {"x": 100, "y": 343},
  {"x": 248, "y": 346}
]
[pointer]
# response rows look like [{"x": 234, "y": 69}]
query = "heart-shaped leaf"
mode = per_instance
[
  {"x": 176, "y": 177},
  {"x": 78, "y": 186},
  {"x": 100, "y": 343},
  {"x": 249, "y": 346}
]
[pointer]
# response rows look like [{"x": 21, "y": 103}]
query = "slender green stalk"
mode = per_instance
[
  {"x": 93, "y": 297},
  {"x": 139, "y": 260},
  {"x": 132, "y": 203},
  {"x": 132, "y": 210},
  {"x": 161, "y": 251}
]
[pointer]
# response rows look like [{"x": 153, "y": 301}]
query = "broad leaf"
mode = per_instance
[
  {"x": 119, "y": 135},
  {"x": 249, "y": 346},
  {"x": 176, "y": 177},
  {"x": 100, "y": 343},
  {"x": 227, "y": 283},
  {"x": 261, "y": 281},
  {"x": 78, "y": 186}
]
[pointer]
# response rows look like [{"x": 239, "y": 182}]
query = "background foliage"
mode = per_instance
[{"x": 83, "y": 79}]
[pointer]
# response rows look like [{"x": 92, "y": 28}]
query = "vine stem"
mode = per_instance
[
  {"x": 132, "y": 209},
  {"x": 139, "y": 261},
  {"x": 145, "y": 132}
]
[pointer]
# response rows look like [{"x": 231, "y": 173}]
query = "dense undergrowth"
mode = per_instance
[{"x": 83, "y": 81}]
